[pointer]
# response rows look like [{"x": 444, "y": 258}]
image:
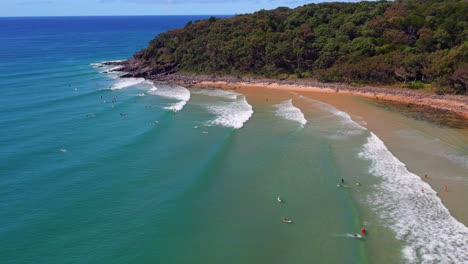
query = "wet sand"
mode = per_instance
[
  {"x": 455, "y": 104},
  {"x": 420, "y": 156}
]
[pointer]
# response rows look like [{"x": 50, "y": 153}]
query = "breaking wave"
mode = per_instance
[
  {"x": 126, "y": 82},
  {"x": 231, "y": 114},
  {"x": 412, "y": 209},
  {"x": 217, "y": 93},
  {"x": 288, "y": 111},
  {"x": 175, "y": 92}
]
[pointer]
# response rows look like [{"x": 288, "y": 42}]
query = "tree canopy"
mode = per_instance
[{"x": 408, "y": 41}]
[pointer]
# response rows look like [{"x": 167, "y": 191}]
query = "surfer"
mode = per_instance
[
  {"x": 363, "y": 231},
  {"x": 342, "y": 180}
]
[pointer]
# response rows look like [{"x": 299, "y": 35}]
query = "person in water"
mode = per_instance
[{"x": 342, "y": 180}]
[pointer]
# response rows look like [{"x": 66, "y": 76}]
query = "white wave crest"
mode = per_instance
[
  {"x": 175, "y": 92},
  {"x": 176, "y": 107},
  {"x": 460, "y": 160},
  {"x": 217, "y": 93},
  {"x": 96, "y": 65},
  {"x": 102, "y": 63},
  {"x": 288, "y": 111},
  {"x": 231, "y": 114},
  {"x": 411, "y": 208},
  {"x": 347, "y": 126},
  {"x": 126, "y": 82},
  {"x": 111, "y": 70}
]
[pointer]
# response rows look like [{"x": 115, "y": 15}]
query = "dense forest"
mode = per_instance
[{"x": 415, "y": 43}]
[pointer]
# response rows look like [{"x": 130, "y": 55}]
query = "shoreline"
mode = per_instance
[{"x": 453, "y": 104}]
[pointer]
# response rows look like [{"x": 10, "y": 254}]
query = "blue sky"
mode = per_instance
[{"x": 138, "y": 7}]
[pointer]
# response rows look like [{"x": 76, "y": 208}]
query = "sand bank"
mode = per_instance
[
  {"x": 421, "y": 157},
  {"x": 451, "y": 103}
]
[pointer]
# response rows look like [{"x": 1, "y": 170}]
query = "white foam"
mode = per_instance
[
  {"x": 96, "y": 65},
  {"x": 111, "y": 70},
  {"x": 419, "y": 219},
  {"x": 126, "y": 82},
  {"x": 102, "y": 64},
  {"x": 112, "y": 61},
  {"x": 347, "y": 125},
  {"x": 460, "y": 160},
  {"x": 217, "y": 93},
  {"x": 175, "y": 92},
  {"x": 231, "y": 114},
  {"x": 288, "y": 111}
]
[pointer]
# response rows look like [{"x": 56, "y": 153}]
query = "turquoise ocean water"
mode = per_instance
[{"x": 97, "y": 169}]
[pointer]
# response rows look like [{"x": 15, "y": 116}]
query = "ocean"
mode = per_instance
[{"x": 98, "y": 169}]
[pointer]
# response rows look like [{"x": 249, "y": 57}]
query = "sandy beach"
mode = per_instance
[
  {"x": 384, "y": 125},
  {"x": 454, "y": 104},
  {"x": 379, "y": 122}
]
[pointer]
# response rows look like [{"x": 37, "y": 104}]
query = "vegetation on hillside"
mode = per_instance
[{"x": 413, "y": 42}]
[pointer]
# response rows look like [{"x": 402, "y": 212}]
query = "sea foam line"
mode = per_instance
[
  {"x": 418, "y": 218},
  {"x": 231, "y": 114},
  {"x": 126, "y": 82},
  {"x": 175, "y": 92},
  {"x": 347, "y": 125},
  {"x": 102, "y": 63},
  {"x": 217, "y": 93},
  {"x": 288, "y": 111}
]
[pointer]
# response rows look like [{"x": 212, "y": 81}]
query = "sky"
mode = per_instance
[{"x": 10, "y": 8}]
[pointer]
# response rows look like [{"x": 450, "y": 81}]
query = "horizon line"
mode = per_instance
[{"x": 120, "y": 15}]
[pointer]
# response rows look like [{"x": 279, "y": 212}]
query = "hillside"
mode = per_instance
[{"x": 412, "y": 43}]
